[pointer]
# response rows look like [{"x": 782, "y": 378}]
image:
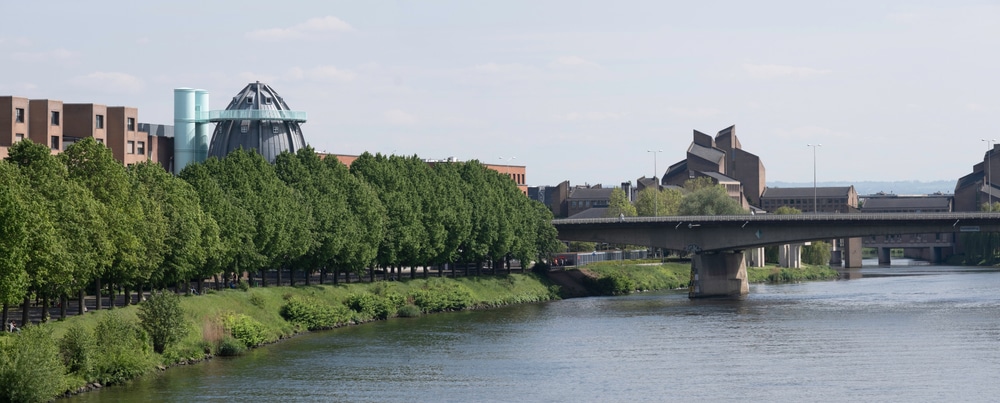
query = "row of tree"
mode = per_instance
[
  {"x": 700, "y": 196},
  {"x": 80, "y": 219}
]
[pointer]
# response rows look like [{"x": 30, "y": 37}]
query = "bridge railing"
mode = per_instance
[{"x": 786, "y": 217}]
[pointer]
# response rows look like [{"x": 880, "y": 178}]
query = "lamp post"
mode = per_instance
[
  {"x": 506, "y": 167},
  {"x": 815, "y": 204},
  {"x": 656, "y": 196},
  {"x": 989, "y": 171}
]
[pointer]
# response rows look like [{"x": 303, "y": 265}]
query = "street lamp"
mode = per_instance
[
  {"x": 989, "y": 171},
  {"x": 507, "y": 166},
  {"x": 815, "y": 204},
  {"x": 656, "y": 196}
]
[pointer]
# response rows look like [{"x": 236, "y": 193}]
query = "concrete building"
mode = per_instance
[
  {"x": 723, "y": 159},
  {"x": 932, "y": 247},
  {"x": 979, "y": 187},
  {"x": 59, "y": 125},
  {"x": 839, "y": 199}
]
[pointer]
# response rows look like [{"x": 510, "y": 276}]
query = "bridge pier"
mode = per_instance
[
  {"x": 852, "y": 253},
  {"x": 884, "y": 258},
  {"x": 754, "y": 257},
  {"x": 790, "y": 255},
  {"x": 718, "y": 274}
]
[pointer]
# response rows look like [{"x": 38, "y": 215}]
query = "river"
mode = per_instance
[{"x": 902, "y": 333}]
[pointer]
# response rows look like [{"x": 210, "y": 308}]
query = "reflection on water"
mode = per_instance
[{"x": 913, "y": 333}]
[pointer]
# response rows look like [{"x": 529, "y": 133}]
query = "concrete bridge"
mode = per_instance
[{"x": 716, "y": 242}]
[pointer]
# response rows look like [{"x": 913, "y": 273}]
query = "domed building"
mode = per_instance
[{"x": 257, "y": 118}]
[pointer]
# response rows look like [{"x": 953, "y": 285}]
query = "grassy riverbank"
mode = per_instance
[
  {"x": 73, "y": 355},
  {"x": 776, "y": 274},
  {"x": 653, "y": 275}
]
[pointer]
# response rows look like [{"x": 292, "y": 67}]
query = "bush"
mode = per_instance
[
  {"x": 256, "y": 300},
  {"x": 77, "y": 348},
  {"x": 370, "y": 306},
  {"x": 615, "y": 284},
  {"x": 122, "y": 349},
  {"x": 440, "y": 296},
  {"x": 245, "y": 329},
  {"x": 314, "y": 315},
  {"x": 230, "y": 347},
  {"x": 408, "y": 311},
  {"x": 30, "y": 369},
  {"x": 163, "y": 319}
]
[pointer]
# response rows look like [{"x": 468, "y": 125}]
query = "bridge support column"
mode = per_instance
[
  {"x": 790, "y": 255},
  {"x": 852, "y": 253},
  {"x": 835, "y": 253},
  {"x": 754, "y": 257},
  {"x": 884, "y": 258},
  {"x": 721, "y": 274}
]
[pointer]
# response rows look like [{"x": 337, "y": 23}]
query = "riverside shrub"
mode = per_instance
[
  {"x": 440, "y": 296},
  {"x": 123, "y": 349},
  {"x": 30, "y": 368},
  {"x": 163, "y": 319},
  {"x": 77, "y": 348},
  {"x": 245, "y": 329},
  {"x": 371, "y": 306},
  {"x": 314, "y": 315}
]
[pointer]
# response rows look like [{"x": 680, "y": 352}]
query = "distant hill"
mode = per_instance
[{"x": 872, "y": 187}]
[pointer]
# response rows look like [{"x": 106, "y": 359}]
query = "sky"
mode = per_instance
[{"x": 585, "y": 91}]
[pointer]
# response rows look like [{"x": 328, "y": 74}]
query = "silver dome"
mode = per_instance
[{"x": 258, "y": 119}]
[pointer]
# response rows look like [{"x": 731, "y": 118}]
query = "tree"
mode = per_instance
[
  {"x": 818, "y": 253},
  {"x": 711, "y": 200},
  {"x": 13, "y": 238},
  {"x": 651, "y": 202},
  {"x": 787, "y": 210},
  {"x": 619, "y": 205},
  {"x": 186, "y": 248},
  {"x": 163, "y": 319}
]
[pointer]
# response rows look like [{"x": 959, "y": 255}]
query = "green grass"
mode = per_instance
[
  {"x": 647, "y": 275},
  {"x": 787, "y": 275}
]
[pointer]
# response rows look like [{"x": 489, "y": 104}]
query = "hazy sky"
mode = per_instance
[{"x": 575, "y": 90}]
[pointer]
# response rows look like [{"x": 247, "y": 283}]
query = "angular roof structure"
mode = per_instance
[{"x": 258, "y": 119}]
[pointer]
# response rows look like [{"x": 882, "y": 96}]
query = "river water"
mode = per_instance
[{"x": 903, "y": 333}]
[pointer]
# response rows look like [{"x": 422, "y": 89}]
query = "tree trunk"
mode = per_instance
[
  {"x": 215, "y": 277},
  {"x": 279, "y": 276},
  {"x": 322, "y": 274},
  {"x": 24, "y": 311},
  {"x": 97, "y": 286},
  {"x": 111, "y": 296},
  {"x": 371, "y": 274},
  {"x": 63, "y": 301},
  {"x": 4, "y": 321},
  {"x": 82, "y": 303}
]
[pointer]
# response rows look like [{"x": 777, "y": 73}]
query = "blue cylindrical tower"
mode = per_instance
[
  {"x": 184, "y": 128},
  {"x": 202, "y": 133}
]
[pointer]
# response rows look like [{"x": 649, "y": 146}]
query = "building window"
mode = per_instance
[
  {"x": 141, "y": 148},
  {"x": 18, "y": 137},
  {"x": 100, "y": 141},
  {"x": 131, "y": 147},
  {"x": 267, "y": 100},
  {"x": 55, "y": 143},
  {"x": 249, "y": 100},
  {"x": 275, "y": 129},
  {"x": 99, "y": 121},
  {"x": 131, "y": 124},
  {"x": 19, "y": 115},
  {"x": 55, "y": 118},
  {"x": 244, "y": 126}
]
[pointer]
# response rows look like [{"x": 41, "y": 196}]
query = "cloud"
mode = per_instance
[
  {"x": 398, "y": 117},
  {"x": 52, "y": 55},
  {"x": 688, "y": 112},
  {"x": 322, "y": 73},
  {"x": 498, "y": 68},
  {"x": 572, "y": 62},
  {"x": 589, "y": 116},
  {"x": 112, "y": 82},
  {"x": 310, "y": 28},
  {"x": 777, "y": 70}
]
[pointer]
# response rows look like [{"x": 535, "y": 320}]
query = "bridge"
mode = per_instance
[{"x": 716, "y": 242}]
